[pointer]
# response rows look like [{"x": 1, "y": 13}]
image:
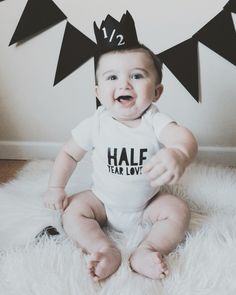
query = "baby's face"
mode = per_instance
[{"x": 127, "y": 84}]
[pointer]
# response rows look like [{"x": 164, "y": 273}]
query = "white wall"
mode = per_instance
[{"x": 35, "y": 117}]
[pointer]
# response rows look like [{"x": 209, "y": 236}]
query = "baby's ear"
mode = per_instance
[{"x": 158, "y": 91}]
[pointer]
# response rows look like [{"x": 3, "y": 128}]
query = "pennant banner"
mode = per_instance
[
  {"x": 37, "y": 16},
  {"x": 220, "y": 36},
  {"x": 182, "y": 61},
  {"x": 69, "y": 60},
  {"x": 231, "y": 6}
]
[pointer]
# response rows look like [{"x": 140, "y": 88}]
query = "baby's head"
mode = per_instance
[
  {"x": 128, "y": 81},
  {"x": 139, "y": 48}
]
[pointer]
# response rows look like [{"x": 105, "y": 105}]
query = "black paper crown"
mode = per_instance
[{"x": 114, "y": 35}]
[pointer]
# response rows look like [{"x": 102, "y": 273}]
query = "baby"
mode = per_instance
[{"x": 128, "y": 168}]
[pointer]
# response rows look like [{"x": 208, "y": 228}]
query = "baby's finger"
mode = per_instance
[
  {"x": 151, "y": 164},
  {"x": 65, "y": 203},
  {"x": 52, "y": 206},
  {"x": 174, "y": 179},
  {"x": 178, "y": 173},
  {"x": 163, "y": 179},
  {"x": 58, "y": 205},
  {"x": 156, "y": 172}
]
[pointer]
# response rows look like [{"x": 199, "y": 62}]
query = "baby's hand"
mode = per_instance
[
  {"x": 55, "y": 198},
  {"x": 166, "y": 167}
]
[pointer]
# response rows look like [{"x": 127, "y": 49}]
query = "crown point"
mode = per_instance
[{"x": 114, "y": 34}]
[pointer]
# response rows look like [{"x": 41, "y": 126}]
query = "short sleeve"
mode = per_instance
[
  {"x": 83, "y": 133},
  {"x": 160, "y": 121}
]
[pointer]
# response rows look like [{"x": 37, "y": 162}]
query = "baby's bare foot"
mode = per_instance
[
  {"x": 149, "y": 262},
  {"x": 103, "y": 263}
]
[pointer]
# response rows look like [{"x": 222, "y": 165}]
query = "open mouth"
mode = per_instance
[{"x": 124, "y": 98}]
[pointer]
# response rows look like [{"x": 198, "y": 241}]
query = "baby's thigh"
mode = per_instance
[
  {"x": 85, "y": 204},
  {"x": 165, "y": 206}
]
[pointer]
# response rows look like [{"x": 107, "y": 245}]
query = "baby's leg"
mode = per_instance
[
  {"x": 170, "y": 217},
  {"x": 82, "y": 221}
]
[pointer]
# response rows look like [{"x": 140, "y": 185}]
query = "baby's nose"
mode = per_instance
[{"x": 124, "y": 84}]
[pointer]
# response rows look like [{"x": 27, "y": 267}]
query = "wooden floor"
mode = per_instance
[{"x": 9, "y": 168}]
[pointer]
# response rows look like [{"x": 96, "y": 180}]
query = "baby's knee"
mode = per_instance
[
  {"x": 183, "y": 208},
  {"x": 180, "y": 213},
  {"x": 76, "y": 210},
  {"x": 83, "y": 206}
]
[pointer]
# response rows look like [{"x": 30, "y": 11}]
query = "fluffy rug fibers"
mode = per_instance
[{"x": 204, "y": 264}]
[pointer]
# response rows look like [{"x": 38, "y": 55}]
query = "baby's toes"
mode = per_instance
[
  {"x": 102, "y": 270},
  {"x": 162, "y": 265},
  {"x": 91, "y": 264},
  {"x": 159, "y": 257},
  {"x": 96, "y": 278},
  {"x": 164, "y": 271},
  {"x": 162, "y": 275},
  {"x": 91, "y": 271}
]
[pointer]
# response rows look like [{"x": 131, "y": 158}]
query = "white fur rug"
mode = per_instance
[{"x": 205, "y": 264}]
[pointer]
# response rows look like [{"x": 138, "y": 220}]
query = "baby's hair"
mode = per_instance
[{"x": 139, "y": 48}]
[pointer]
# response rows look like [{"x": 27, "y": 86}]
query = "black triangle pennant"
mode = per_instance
[
  {"x": 37, "y": 16},
  {"x": 231, "y": 6},
  {"x": 182, "y": 61},
  {"x": 220, "y": 36},
  {"x": 76, "y": 49}
]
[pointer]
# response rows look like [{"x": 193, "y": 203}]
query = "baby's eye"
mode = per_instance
[
  {"x": 112, "y": 77},
  {"x": 137, "y": 76}
]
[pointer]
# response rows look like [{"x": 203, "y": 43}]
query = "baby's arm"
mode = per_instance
[
  {"x": 65, "y": 163},
  {"x": 169, "y": 164}
]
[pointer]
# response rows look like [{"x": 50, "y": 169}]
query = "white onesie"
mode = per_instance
[{"x": 119, "y": 153}]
